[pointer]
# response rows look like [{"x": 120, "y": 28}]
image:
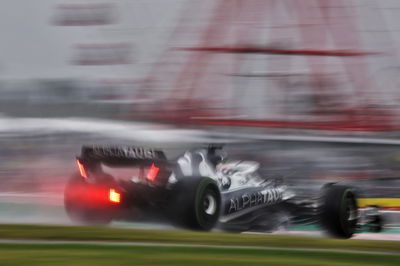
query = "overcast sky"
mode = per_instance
[{"x": 31, "y": 47}]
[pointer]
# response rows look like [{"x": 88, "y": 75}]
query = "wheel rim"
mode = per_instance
[
  {"x": 351, "y": 210},
  {"x": 209, "y": 204}
]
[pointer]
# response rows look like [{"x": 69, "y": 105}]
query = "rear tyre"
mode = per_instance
[
  {"x": 339, "y": 214},
  {"x": 78, "y": 207},
  {"x": 197, "y": 203}
]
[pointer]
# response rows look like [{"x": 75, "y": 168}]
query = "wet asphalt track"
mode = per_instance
[
  {"x": 293, "y": 158},
  {"x": 48, "y": 209}
]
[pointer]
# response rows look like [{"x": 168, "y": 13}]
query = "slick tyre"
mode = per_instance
[
  {"x": 197, "y": 203},
  {"x": 77, "y": 207},
  {"x": 339, "y": 214}
]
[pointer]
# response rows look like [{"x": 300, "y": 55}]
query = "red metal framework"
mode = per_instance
[{"x": 324, "y": 29}]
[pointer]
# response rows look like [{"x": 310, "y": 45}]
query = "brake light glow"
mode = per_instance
[
  {"x": 152, "y": 174},
  {"x": 114, "y": 196},
  {"x": 82, "y": 170}
]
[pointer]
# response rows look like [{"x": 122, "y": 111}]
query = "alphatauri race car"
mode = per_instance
[{"x": 202, "y": 190}]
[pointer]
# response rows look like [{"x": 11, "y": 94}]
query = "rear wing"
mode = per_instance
[{"x": 121, "y": 155}]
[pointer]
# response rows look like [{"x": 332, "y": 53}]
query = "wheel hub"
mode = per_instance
[{"x": 209, "y": 204}]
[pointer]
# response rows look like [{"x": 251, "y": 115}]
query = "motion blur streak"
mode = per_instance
[
  {"x": 385, "y": 203},
  {"x": 309, "y": 88}
]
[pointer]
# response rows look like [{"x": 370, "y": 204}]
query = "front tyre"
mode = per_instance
[{"x": 339, "y": 214}]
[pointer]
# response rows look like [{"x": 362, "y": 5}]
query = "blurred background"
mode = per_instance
[{"x": 309, "y": 87}]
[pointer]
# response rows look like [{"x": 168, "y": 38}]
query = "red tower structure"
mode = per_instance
[{"x": 212, "y": 82}]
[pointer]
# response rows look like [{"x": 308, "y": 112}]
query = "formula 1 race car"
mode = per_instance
[{"x": 202, "y": 190}]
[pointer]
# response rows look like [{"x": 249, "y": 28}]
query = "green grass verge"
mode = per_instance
[
  {"x": 83, "y": 254},
  {"x": 77, "y": 233}
]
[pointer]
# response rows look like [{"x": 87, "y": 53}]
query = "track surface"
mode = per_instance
[
  {"x": 48, "y": 209},
  {"x": 155, "y": 254},
  {"x": 154, "y": 244},
  {"x": 363, "y": 236},
  {"x": 76, "y": 245}
]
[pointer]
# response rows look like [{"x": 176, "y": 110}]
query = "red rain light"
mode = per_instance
[
  {"x": 114, "y": 196},
  {"x": 81, "y": 169},
  {"x": 152, "y": 174}
]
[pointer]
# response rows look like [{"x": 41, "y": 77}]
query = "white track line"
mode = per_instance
[{"x": 155, "y": 244}]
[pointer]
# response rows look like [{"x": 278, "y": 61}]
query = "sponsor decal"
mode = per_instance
[
  {"x": 125, "y": 152},
  {"x": 248, "y": 200}
]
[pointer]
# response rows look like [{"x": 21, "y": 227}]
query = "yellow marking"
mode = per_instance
[{"x": 381, "y": 202}]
